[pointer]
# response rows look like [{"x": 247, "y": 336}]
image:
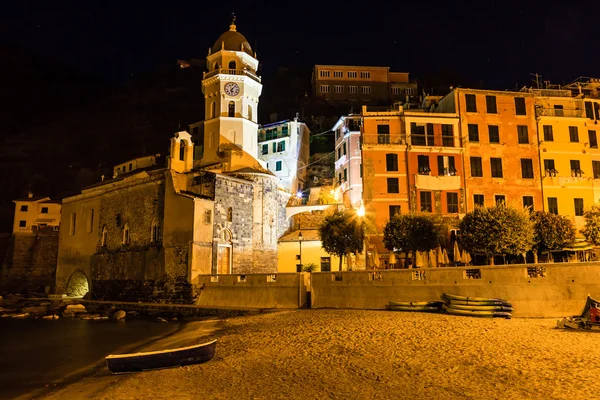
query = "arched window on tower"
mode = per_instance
[
  {"x": 232, "y": 65},
  {"x": 182, "y": 150},
  {"x": 213, "y": 109},
  {"x": 217, "y": 65},
  {"x": 104, "y": 236},
  {"x": 126, "y": 237},
  {"x": 231, "y": 112},
  {"x": 229, "y": 214},
  {"x": 250, "y": 112}
]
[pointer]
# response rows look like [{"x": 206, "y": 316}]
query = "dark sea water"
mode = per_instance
[{"x": 36, "y": 353}]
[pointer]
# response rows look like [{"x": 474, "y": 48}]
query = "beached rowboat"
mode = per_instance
[
  {"x": 481, "y": 308},
  {"x": 134, "y": 362},
  {"x": 469, "y": 298},
  {"x": 415, "y": 308},
  {"x": 468, "y": 313}
]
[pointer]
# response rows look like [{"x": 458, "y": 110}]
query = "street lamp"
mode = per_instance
[{"x": 300, "y": 239}]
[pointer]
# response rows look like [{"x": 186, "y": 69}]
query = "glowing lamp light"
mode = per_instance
[
  {"x": 361, "y": 211},
  {"x": 299, "y": 194}
]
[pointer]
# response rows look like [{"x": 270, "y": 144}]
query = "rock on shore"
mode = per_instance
[{"x": 356, "y": 354}]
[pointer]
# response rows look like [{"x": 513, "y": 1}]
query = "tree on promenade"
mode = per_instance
[
  {"x": 551, "y": 232},
  {"x": 410, "y": 233},
  {"x": 496, "y": 230},
  {"x": 591, "y": 231},
  {"x": 341, "y": 233}
]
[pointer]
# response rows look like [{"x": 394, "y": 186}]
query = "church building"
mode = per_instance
[{"x": 150, "y": 231}]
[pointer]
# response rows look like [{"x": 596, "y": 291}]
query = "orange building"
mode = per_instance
[
  {"x": 434, "y": 163},
  {"x": 499, "y": 136}
]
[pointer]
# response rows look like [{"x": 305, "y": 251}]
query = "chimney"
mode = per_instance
[{"x": 30, "y": 195}]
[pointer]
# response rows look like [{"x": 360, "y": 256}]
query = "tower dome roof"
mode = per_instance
[{"x": 232, "y": 40}]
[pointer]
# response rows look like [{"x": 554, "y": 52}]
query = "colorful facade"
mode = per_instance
[
  {"x": 348, "y": 160},
  {"x": 499, "y": 137},
  {"x": 434, "y": 163}
]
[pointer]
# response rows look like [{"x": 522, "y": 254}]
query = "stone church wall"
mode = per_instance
[
  {"x": 238, "y": 195},
  {"x": 30, "y": 264},
  {"x": 136, "y": 271}
]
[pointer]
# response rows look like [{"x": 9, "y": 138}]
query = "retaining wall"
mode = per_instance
[
  {"x": 540, "y": 290},
  {"x": 251, "y": 291}
]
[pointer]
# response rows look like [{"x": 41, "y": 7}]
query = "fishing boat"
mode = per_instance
[
  {"x": 477, "y": 313},
  {"x": 134, "y": 362},
  {"x": 588, "y": 320},
  {"x": 422, "y": 306},
  {"x": 469, "y": 298},
  {"x": 501, "y": 303},
  {"x": 480, "y": 308}
]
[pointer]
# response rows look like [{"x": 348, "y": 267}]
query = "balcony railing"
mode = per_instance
[
  {"x": 559, "y": 112},
  {"x": 428, "y": 140},
  {"x": 262, "y": 137},
  {"x": 379, "y": 139},
  {"x": 228, "y": 71}
]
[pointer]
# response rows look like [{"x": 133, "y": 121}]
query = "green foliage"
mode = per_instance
[
  {"x": 551, "y": 231},
  {"x": 310, "y": 267},
  {"x": 342, "y": 233},
  {"x": 591, "y": 232},
  {"x": 414, "y": 232},
  {"x": 496, "y": 230}
]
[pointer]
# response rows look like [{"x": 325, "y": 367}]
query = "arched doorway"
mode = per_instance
[
  {"x": 78, "y": 285},
  {"x": 224, "y": 253}
]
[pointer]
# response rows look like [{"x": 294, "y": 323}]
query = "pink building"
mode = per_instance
[{"x": 348, "y": 160}]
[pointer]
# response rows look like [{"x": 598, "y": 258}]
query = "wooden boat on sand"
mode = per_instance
[
  {"x": 475, "y": 313},
  {"x": 422, "y": 306},
  {"x": 134, "y": 362}
]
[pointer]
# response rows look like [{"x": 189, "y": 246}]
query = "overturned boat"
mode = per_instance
[
  {"x": 135, "y": 362},
  {"x": 588, "y": 320},
  {"x": 421, "y": 306}
]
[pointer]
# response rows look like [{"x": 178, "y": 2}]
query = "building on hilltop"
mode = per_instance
[
  {"x": 149, "y": 232},
  {"x": 362, "y": 85},
  {"x": 284, "y": 148}
]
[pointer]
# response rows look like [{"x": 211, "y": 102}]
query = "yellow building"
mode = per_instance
[
  {"x": 565, "y": 140},
  {"x": 295, "y": 250},
  {"x": 33, "y": 213}
]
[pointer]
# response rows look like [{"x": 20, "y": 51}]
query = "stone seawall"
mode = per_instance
[
  {"x": 540, "y": 290},
  {"x": 30, "y": 263}
]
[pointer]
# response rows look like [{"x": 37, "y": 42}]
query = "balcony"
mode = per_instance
[
  {"x": 339, "y": 163},
  {"x": 427, "y": 182},
  {"x": 263, "y": 137},
  {"x": 383, "y": 139},
  {"x": 428, "y": 140},
  {"x": 559, "y": 112},
  {"x": 228, "y": 71}
]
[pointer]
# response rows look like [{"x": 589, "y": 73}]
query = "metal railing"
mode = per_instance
[
  {"x": 262, "y": 137},
  {"x": 428, "y": 140},
  {"x": 559, "y": 112},
  {"x": 379, "y": 139},
  {"x": 228, "y": 71}
]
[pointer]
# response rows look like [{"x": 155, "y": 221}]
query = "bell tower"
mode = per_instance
[{"x": 231, "y": 90}]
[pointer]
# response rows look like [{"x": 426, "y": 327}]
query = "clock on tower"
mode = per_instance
[{"x": 232, "y": 89}]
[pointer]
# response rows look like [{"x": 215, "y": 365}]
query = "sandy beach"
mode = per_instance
[{"x": 357, "y": 354}]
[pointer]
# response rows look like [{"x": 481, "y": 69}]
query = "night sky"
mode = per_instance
[{"x": 494, "y": 43}]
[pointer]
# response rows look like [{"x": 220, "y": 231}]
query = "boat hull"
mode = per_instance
[
  {"x": 480, "y": 308},
  {"x": 416, "y": 303},
  {"x": 470, "y": 299},
  {"x": 415, "y": 308},
  {"x": 468, "y": 313},
  {"x": 122, "y": 363}
]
